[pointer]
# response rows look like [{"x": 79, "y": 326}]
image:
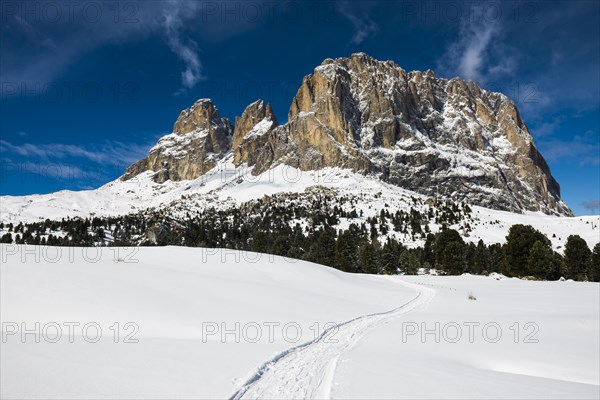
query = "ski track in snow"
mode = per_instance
[{"x": 307, "y": 371}]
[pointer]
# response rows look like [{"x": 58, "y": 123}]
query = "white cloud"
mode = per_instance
[
  {"x": 591, "y": 205},
  {"x": 471, "y": 50},
  {"x": 583, "y": 149},
  {"x": 186, "y": 49},
  {"x": 363, "y": 25},
  {"x": 84, "y": 166},
  {"x": 41, "y": 51},
  {"x": 478, "y": 54},
  {"x": 547, "y": 128},
  {"x": 103, "y": 153}
]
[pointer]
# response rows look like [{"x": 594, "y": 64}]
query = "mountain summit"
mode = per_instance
[{"x": 431, "y": 135}]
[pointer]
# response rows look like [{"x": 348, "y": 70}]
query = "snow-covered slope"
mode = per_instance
[
  {"x": 173, "y": 296},
  {"x": 541, "y": 342},
  {"x": 176, "y": 300},
  {"x": 227, "y": 186}
]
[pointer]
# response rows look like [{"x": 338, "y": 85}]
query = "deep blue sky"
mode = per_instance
[{"x": 88, "y": 87}]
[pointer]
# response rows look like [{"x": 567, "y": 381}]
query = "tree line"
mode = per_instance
[{"x": 363, "y": 246}]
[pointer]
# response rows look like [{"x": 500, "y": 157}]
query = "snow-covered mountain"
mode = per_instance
[
  {"x": 361, "y": 135},
  {"x": 430, "y": 135},
  {"x": 227, "y": 187}
]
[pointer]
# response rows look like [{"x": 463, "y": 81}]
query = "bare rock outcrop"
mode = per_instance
[
  {"x": 199, "y": 140},
  {"x": 252, "y": 134},
  {"x": 427, "y": 134}
]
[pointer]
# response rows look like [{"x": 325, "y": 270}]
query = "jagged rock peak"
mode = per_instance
[
  {"x": 257, "y": 118},
  {"x": 200, "y": 116},
  {"x": 428, "y": 134},
  {"x": 199, "y": 140},
  {"x": 254, "y": 139},
  {"x": 432, "y": 135}
]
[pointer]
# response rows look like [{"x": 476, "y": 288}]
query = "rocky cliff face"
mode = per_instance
[
  {"x": 199, "y": 140},
  {"x": 431, "y": 135},
  {"x": 251, "y": 134}
]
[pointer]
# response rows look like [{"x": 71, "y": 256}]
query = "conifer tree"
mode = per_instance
[
  {"x": 453, "y": 261},
  {"x": 403, "y": 260},
  {"x": 496, "y": 257},
  {"x": 469, "y": 257},
  {"x": 281, "y": 246},
  {"x": 414, "y": 263},
  {"x": 519, "y": 241},
  {"x": 322, "y": 250},
  {"x": 368, "y": 258},
  {"x": 389, "y": 259},
  {"x": 540, "y": 260},
  {"x": 481, "y": 262},
  {"x": 259, "y": 242},
  {"x": 577, "y": 258},
  {"x": 345, "y": 252},
  {"x": 428, "y": 256},
  {"x": 557, "y": 266},
  {"x": 442, "y": 239},
  {"x": 6, "y": 238},
  {"x": 594, "y": 271}
]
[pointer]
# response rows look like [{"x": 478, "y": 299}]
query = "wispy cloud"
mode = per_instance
[
  {"x": 559, "y": 42},
  {"x": 471, "y": 50},
  {"x": 185, "y": 48},
  {"x": 548, "y": 127},
  {"x": 108, "y": 152},
  {"x": 583, "y": 149},
  {"x": 80, "y": 166},
  {"x": 363, "y": 24},
  {"x": 36, "y": 48},
  {"x": 80, "y": 175},
  {"x": 39, "y": 52},
  {"x": 478, "y": 53},
  {"x": 591, "y": 205}
]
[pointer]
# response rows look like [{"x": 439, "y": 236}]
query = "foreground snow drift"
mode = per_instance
[
  {"x": 204, "y": 323},
  {"x": 182, "y": 305},
  {"x": 518, "y": 339}
]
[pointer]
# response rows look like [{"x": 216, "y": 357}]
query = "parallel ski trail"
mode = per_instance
[{"x": 307, "y": 371}]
